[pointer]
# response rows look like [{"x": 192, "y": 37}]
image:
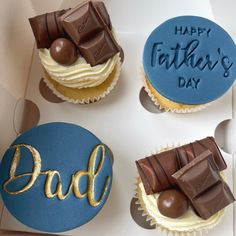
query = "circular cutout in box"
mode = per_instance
[
  {"x": 225, "y": 135},
  {"x": 47, "y": 93},
  {"x": 138, "y": 216},
  {"x": 26, "y": 115},
  {"x": 147, "y": 103}
]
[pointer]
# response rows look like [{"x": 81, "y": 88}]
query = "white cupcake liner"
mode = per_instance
[
  {"x": 91, "y": 99},
  {"x": 196, "y": 108},
  {"x": 169, "y": 231}
]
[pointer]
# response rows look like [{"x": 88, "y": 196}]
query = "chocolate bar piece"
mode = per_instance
[
  {"x": 87, "y": 26},
  {"x": 213, "y": 200},
  {"x": 101, "y": 8},
  {"x": 82, "y": 22},
  {"x": 202, "y": 184},
  {"x": 85, "y": 20},
  {"x": 190, "y": 151},
  {"x": 99, "y": 49},
  {"x": 156, "y": 171},
  {"x": 47, "y": 28},
  {"x": 198, "y": 176}
]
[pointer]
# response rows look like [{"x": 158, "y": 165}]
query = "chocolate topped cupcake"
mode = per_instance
[
  {"x": 183, "y": 190},
  {"x": 78, "y": 50}
]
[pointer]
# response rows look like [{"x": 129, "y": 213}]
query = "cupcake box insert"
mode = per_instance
[{"x": 119, "y": 120}]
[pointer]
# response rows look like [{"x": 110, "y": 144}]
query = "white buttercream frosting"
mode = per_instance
[
  {"x": 80, "y": 74},
  {"x": 189, "y": 222}
]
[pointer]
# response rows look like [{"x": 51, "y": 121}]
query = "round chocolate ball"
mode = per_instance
[
  {"x": 63, "y": 51},
  {"x": 172, "y": 203}
]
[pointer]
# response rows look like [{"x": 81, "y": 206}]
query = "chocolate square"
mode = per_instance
[
  {"x": 99, "y": 49},
  {"x": 215, "y": 199},
  {"x": 201, "y": 182},
  {"x": 82, "y": 22},
  {"x": 198, "y": 176}
]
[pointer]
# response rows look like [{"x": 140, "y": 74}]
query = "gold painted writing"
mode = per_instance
[{"x": 96, "y": 161}]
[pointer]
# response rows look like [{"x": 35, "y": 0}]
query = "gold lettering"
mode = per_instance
[
  {"x": 92, "y": 175},
  {"x": 77, "y": 178},
  {"x": 97, "y": 156},
  {"x": 14, "y": 164},
  {"x": 48, "y": 183}
]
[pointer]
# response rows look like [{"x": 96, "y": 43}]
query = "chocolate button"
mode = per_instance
[
  {"x": 172, "y": 203},
  {"x": 63, "y": 51}
]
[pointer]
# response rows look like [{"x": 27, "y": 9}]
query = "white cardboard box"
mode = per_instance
[{"x": 119, "y": 120}]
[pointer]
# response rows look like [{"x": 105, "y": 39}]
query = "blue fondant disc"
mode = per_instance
[
  {"x": 55, "y": 177},
  {"x": 190, "y": 60}
]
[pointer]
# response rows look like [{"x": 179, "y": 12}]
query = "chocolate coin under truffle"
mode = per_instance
[
  {"x": 63, "y": 51},
  {"x": 172, "y": 203}
]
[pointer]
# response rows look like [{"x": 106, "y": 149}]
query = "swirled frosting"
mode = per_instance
[
  {"x": 187, "y": 223},
  {"x": 80, "y": 74}
]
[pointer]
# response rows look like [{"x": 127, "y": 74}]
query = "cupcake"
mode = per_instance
[
  {"x": 188, "y": 62},
  {"x": 183, "y": 190},
  {"x": 56, "y": 177},
  {"x": 79, "y": 52}
]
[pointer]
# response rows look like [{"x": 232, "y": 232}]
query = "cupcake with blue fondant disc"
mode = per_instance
[
  {"x": 188, "y": 62},
  {"x": 56, "y": 177}
]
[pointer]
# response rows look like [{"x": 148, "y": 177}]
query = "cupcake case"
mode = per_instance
[{"x": 121, "y": 119}]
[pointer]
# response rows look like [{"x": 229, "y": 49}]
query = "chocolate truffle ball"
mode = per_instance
[
  {"x": 63, "y": 51},
  {"x": 172, "y": 203}
]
